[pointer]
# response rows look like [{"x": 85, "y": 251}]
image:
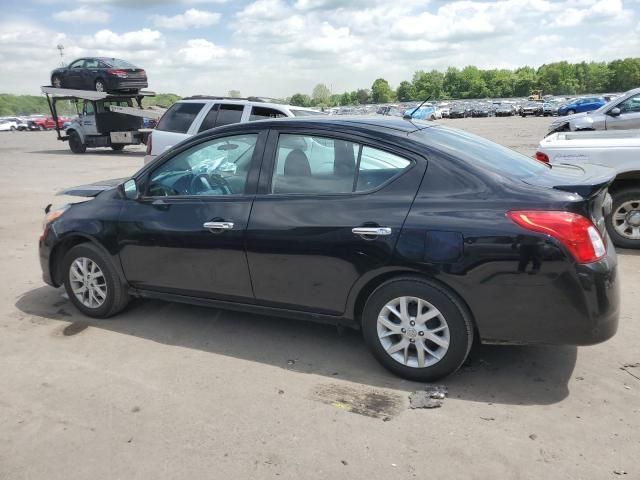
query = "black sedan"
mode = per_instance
[
  {"x": 100, "y": 74},
  {"x": 425, "y": 237}
]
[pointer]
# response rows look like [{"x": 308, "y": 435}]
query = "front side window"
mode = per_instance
[
  {"x": 630, "y": 105},
  {"x": 319, "y": 165},
  {"x": 77, "y": 64},
  {"x": 91, "y": 63},
  {"x": 262, "y": 113},
  {"x": 179, "y": 117},
  {"x": 217, "y": 167}
]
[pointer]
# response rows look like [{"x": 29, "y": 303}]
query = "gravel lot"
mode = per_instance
[{"x": 168, "y": 391}]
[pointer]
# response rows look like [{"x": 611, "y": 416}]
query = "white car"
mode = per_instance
[
  {"x": 616, "y": 149},
  {"x": 8, "y": 125},
  {"x": 193, "y": 115}
]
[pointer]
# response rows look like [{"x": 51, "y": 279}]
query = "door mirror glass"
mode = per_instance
[
  {"x": 614, "y": 112},
  {"x": 130, "y": 189}
]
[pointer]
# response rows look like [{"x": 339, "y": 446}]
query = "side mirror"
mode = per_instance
[
  {"x": 615, "y": 112},
  {"x": 130, "y": 189}
]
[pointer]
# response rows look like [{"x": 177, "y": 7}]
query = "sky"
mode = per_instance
[{"x": 280, "y": 47}]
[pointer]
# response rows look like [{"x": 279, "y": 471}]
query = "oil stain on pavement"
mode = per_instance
[{"x": 368, "y": 402}]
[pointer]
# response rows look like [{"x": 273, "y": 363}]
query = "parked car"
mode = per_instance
[
  {"x": 8, "y": 126},
  {"x": 531, "y": 108},
  {"x": 192, "y": 115},
  {"x": 580, "y": 105},
  {"x": 459, "y": 111},
  {"x": 504, "y": 110},
  {"x": 424, "y": 112},
  {"x": 482, "y": 110},
  {"x": 619, "y": 150},
  {"x": 21, "y": 123},
  {"x": 622, "y": 113},
  {"x": 100, "y": 74},
  {"x": 339, "y": 220}
]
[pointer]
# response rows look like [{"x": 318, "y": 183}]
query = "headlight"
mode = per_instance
[{"x": 49, "y": 217}]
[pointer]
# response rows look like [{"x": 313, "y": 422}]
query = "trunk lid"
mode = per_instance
[{"x": 590, "y": 182}]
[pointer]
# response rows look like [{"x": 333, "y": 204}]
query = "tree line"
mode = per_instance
[
  {"x": 18, "y": 105},
  {"x": 559, "y": 78}
]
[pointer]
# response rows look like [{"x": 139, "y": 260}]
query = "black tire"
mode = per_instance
[
  {"x": 41, "y": 128},
  {"x": 457, "y": 317},
  {"x": 117, "y": 295},
  {"x": 117, "y": 147},
  {"x": 75, "y": 143},
  {"x": 13, "y": 129},
  {"x": 571, "y": 112},
  {"x": 619, "y": 197},
  {"x": 56, "y": 81},
  {"x": 99, "y": 85}
]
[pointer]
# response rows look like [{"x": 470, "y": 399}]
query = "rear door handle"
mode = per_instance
[
  {"x": 218, "y": 226},
  {"x": 372, "y": 231}
]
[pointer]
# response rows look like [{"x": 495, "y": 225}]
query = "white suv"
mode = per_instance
[{"x": 193, "y": 115}]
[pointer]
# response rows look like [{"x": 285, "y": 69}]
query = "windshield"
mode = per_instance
[
  {"x": 482, "y": 152},
  {"x": 115, "y": 63}
]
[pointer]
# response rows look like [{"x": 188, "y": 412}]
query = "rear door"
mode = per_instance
[
  {"x": 329, "y": 211},
  {"x": 629, "y": 117}
]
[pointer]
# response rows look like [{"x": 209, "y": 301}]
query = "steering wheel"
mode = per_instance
[
  {"x": 204, "y": 182},
  {"x": 160, "y": 190}
]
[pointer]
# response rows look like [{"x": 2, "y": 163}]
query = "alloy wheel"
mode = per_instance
[
  {"x": 99, "y": 86},
  {"x": 88, "y": 282},
  {"x": 626, "y": 220},
  {"x": 413, "y": 332}
]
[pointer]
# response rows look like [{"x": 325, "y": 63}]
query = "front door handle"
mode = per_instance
[
  {"x": 218, "y": 226},
  {"x": 372, "y": 231}
]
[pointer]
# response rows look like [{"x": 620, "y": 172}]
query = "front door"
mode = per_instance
[
  {"x": 629, "y": 117},
  {"x": 329, "y": 210},
  {"x": 186, "y": 234}
]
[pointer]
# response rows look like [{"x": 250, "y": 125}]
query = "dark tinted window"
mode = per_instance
[
  {"x": 262, "y": 113},
  {"x": 77, "y": 64},
  {"x": 91, "y": 63},
  {"x": 210, "y": 119},
  {"x": 228, "y": 114},
  {"x": 179, "y": 117},
  {"x": 481, "y": 152},
  {"x": 115, "y": 63},
  {"x": 305, "y": 113}
]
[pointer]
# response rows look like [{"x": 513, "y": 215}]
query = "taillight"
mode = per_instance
[
  {"x": 117, "y": 72},
  {"x": 542, "y": 157},
  {"x": 149, "y": 140},
  {"x": 575, "y": 232}
]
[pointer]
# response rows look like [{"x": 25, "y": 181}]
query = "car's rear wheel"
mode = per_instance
[
  {"x": 117, "y": 147},
  {"x": 417, "y": 329},
  {"x": 571, "y": 112},
  {"x": 56, "y": 81},
  {"x": 92, "y": 283},
  {"x": 100, "y": 86},
  {"x": 75, "y": 143},
  {"x": 13, "y": 129},
  {"x": 624, "y": 222}
]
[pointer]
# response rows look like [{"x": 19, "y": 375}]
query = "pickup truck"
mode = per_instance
[{"x": 616, "y": 149}]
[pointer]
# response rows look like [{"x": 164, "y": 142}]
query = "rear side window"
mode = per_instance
[
  {"x": 320, "y": 165},
  {"x": 481, "y": 153},
  {"x": 228, "y": 114},
  {"x": 262, "y": 113},
  {"x": 179, "y": 117},
  {"x": 210, "y": 119},
  {"x": 305, "y": 113}
]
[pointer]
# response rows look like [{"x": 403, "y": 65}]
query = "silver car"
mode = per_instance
[{"x": 622, "y": 113}]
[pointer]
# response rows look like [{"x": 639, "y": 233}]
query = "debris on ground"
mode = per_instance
[
  {"x": 488, "y": 419},
  {"x": 619, "y": 472},
  {"x": 533, "y": 436},
  {"x": 628, "y": 366},
  {"x": 431, "y": 397},
  {"x": 344, "y": 462}
]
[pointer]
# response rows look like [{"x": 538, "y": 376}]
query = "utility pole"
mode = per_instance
[{"x": 60, "y": 48}]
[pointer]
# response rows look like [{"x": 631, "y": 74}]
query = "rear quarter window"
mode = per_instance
[
  {"x": 179, "y": 117},
  {"x": 482, "y": 153}
]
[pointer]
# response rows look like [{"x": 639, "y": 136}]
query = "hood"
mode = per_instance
[
  {"x": 584, "y": 119},
  {"x": 92, "y": 189}
]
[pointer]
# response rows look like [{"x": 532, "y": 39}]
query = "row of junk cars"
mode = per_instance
[
  {"x": 31, "y": 122},
  {"x": 546, "y": 106}
]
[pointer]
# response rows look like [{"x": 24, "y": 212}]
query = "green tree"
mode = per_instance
[
  {"x": 345, "y": 99},
  {"x": 625, "y": 74},
  {"x": 300, "y": 100},
  {"x": 428, "y": 84},
  {"x": 405, "y": 91},
  {"x": 526, "y": 79},
  {"x": 234, "y": 93},
  {"x": 321, "y": 94},
  {"x": 381, "y": 91},
  {"x": 363, "y": 96}
]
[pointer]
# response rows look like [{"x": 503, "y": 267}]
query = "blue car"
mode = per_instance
[
  {"x": 580, "y": 105},
  {"x": 425, "y": 112}
]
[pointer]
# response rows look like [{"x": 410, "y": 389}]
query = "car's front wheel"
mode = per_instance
[
  {"x": 56, "y": 81},
  {"x": 571, "y": 112},
  {"x": 75, "y": 143},
  {"x": 417, "y": 329},
  {"x": 92, "y": 283},
  {"x": 117, "y": 147}
]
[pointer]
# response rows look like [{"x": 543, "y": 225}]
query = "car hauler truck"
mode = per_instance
[{"x": 104, "y": 119}]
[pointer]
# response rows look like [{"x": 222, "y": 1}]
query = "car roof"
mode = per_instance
[{"x": 243, "y": 101}]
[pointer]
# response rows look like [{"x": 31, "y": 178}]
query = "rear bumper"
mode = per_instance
[{"x": 127, "y": 84}]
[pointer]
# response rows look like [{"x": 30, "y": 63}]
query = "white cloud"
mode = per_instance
[
  {"x": 192, "y": 18},
  {"x": 201, "y": 52},
  {"x": 140, "y": 39},
  {"x": 82, "y": 14}
]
